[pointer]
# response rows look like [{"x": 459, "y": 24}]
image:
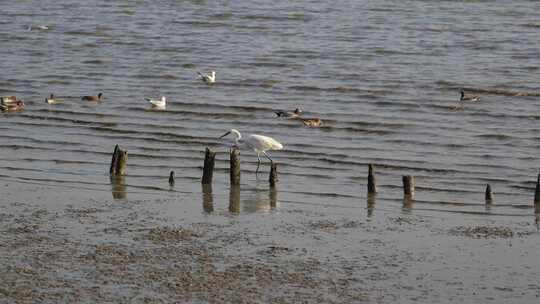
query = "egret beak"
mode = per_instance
[{"x": 225, "y": 134}]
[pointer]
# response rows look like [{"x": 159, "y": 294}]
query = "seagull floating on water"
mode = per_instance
[
  {"x": 158, "y": 103},
  {"x": 92, "y": 98},
  {"x": 208, "y": 78},
  {"x": 296, "y": 113},
  {"x": 258, "y": 143},
  {"x": 468, "y": 98}
]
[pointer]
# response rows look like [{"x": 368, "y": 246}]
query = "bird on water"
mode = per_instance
[
  {"x": 50, "y": 99},
  {"x": 158, "y": 103},
  {"x": 468, "y": 98},
  {"x": 92, "y": 98},
  {"x": 258, "y": 143},
  {"x": 294, "y": 114},
  {"x": 208, "y": 78}
]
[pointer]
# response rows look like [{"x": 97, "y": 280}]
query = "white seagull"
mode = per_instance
[
  {"x": 158, "y": 103},
  {"x": 259, "y": 144},
  {"x": 208, "y": 78}
]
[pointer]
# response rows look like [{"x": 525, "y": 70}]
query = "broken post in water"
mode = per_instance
[
  {"x": 118, "y": 162},
  {"x": 537, "y": 192},
  {"x": 235, "y": 166},
  {"x": 489, "y": 195},
  {"x": 372, "y": 182},
  {"x": 208, "y": 169},
  {"x": 408, "y": 186},
  {"x": 273, "y": 178}
]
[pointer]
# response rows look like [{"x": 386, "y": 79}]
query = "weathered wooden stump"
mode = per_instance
[
  {"x": 408, "y": 186},
  {"x": 208, "y": 170},
  {"x": 489, "y": 195},
  {"x": 119, "y": 161},
  {"x": 537, "y": 192},
  {"x": 235, "y": 166},
  {"x": 273, "y": 177},
  {"x": 372, "y": 182}
]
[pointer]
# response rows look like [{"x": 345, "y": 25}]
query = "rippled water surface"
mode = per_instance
[{"x": 382, "y": 75}]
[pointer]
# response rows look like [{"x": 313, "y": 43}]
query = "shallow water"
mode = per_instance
[{"x": 382, "y": 75}]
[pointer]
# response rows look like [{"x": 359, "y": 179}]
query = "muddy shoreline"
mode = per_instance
[{"x": 141, "y": 251}]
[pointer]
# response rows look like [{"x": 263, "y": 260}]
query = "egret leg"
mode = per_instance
[{"x": 258, "y": 163}]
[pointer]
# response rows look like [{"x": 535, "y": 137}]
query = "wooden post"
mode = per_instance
[
  {"x": 273, "y": 178},
  {"x": 489, "y": 195},
  {"x": 208, "y": 170},
  {"x": 171, "y": 179},
  {"x": 119, "y": 161},
  {"x": 372, "y": 182},
  {"x": 537, "y": 192},
  {"x": 408, "y": 186},
  {"x": 235, "y": 166}
]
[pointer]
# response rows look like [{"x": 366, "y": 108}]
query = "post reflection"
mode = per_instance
[
  {"x": 234, "y": 199},
  {"x": 273, "y": 197},
  {"x": 408, "y": 202},
  {"x": 118, "y": 187},
  {"x": 537, "y": 216},
  {"x": 207, "y": 198},
  {"x": 371, "y": 204}
]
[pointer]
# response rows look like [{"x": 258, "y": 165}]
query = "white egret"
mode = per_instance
[
  {"x": 158, "y": 103},
  {"x": 259, "y": 144},
  {"x": 468, "y": 98},
  {"x": 294, "y": 114},
  {"x": 208, "y": 78}
]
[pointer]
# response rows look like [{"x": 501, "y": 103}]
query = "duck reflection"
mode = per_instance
[{"x": 118, "y": 187}]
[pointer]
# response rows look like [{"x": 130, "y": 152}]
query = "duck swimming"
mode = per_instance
[
  {"x": 158, "y": 103},
  {"x": 312, "y": 122},
  {"x": 92, "y": 98},
  {"x": 50, "y": 99},
  {"x": 468, "y": 98},
  {"x": 8, "y": 99},
  {"x": 209, "y": 79},
  {"x": 12, "y": 106},
  {"x": 296, "y": 113}
]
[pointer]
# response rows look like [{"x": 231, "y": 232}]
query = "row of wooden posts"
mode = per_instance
[{"x": 120, "y": 156}]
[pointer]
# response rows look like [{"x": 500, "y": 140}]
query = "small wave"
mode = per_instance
[{"x": 495, "y": 136}]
